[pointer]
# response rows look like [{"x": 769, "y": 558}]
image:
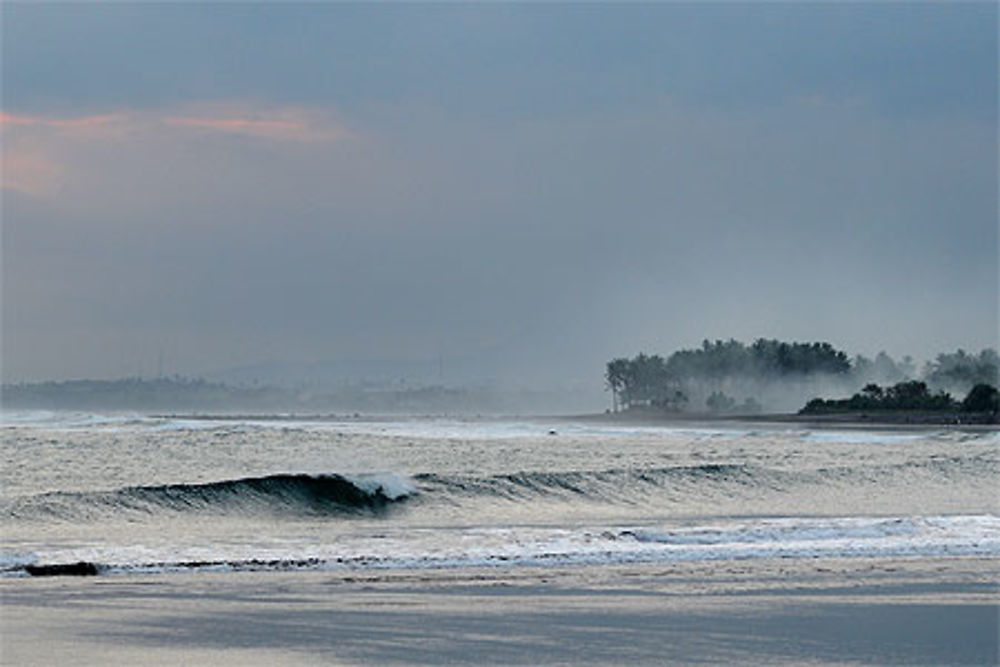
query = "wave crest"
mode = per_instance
[{"x": 296, "y": 493}]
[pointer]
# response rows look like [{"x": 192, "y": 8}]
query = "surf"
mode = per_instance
[
  {"x": 299, "y": 493},
  {"x": 540, "y": 546}
]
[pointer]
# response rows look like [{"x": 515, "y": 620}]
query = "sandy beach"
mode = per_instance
[
  {"x": 921, "y": 611},
  {"x": 497, "y": 542}
]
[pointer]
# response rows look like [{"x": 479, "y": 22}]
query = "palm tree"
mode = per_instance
[{"x": 616, "y": 378}]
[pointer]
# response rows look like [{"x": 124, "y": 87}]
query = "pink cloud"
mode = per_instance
[
  {"x": 42, "y": 152},
  {"x": 11, "y": 119},
  {"x": 284, "y": 124},
  {"x": 288, "y": 123},
  {"x": 261, "y": 128},
  {"x": 81, "y": 122},
  {"x": 30, "y": 172}
]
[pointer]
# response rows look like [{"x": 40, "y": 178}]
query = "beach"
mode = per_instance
[
  {"x": 494, "y": 541},
  {"x": 499, "y": 333},
  {"x": 818, "y": 611}
]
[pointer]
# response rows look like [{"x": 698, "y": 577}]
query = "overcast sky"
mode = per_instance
[{"x": 541, "y": 187}]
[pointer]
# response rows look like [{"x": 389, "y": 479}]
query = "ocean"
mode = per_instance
[{"x": 124, "y": 495}]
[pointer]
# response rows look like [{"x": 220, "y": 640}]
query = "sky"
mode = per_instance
[{"x": 511, "y": 193}]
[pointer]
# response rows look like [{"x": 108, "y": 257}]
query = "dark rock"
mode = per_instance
[{"x": 81, "y": 569}]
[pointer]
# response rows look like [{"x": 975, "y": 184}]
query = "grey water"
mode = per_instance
[{"x": 139, "y": 494}]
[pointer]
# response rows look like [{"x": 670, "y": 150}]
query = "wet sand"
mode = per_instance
[{"x": 926, "y": 611}]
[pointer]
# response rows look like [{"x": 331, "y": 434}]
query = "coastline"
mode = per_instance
[
  {"x": 937, "y": 610},
  {"x": 893, "y": 420},
  {"x": 849, "y": 420},
  {"x": 859, "y": 419},
  {"x": 757, "y": 594}
]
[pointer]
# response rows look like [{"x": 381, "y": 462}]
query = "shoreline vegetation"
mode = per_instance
[
  {"x": 780, "y": 381},
  {"x": 841, "y": 419},
  {"x": 765, "y": 381}
]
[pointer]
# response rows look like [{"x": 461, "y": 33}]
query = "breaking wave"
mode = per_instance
[
  {"x": 613, "y": 485},
  {"x": 733, "y": 539},
  {"x": 711, "y": 480},
  {"x": 340, "y": 494},
  {"x": 296, "y": 493}
]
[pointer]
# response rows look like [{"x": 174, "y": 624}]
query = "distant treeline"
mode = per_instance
[
  {"x": 910, "y": 395},
  {"x": 173, "y": 393},
  {"x": 178, "y": 394},
  {"x": 729, "y": 376}
]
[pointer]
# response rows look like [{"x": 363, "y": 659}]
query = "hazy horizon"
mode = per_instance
[{"x": 522, "y": 192}]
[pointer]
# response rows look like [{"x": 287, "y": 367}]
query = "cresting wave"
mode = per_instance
[
  {"x": 616, "y": 484},
  {"x": 296, "y": 493},
  {"x": 707, "y": 480},
  {"x": 337, "y": 494},
  {"x": 341, "y": 495}
]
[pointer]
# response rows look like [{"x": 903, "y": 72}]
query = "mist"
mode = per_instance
[{"x": 495, "y": 198}]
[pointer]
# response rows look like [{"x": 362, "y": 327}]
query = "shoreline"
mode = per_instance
[
  {"x": 895, "y": 420},
  {"x": 936, "y": 610},
  {"x": 850, "y": 420}
]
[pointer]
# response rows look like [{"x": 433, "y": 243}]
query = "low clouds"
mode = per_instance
[
  {"x": 44, "y": 155},
  {"x": 283, "y": 124},
  {"x": 603, "y": 184},
  {"x": 549, "y": 245}
]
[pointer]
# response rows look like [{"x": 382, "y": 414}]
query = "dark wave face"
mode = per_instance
[
  {"x": 295, "y": 493},
  {"x": 337, "y": 495},
  {"x": 599, "y": 485},
  {"x": 713, "y": 480}
]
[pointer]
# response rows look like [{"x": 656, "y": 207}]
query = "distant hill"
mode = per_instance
[{"x": 202, "y": 396}]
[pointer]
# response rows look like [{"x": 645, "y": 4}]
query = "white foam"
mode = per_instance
[
  {"x": 490, "y": 429},
  {"x": 861, "y": 437},
  {"x": 57, "y": 419},
  {"x": 392, "y": 485},
  {"x": 784, "y": 530},
  {"x": 846, "y": 537},
  {"x": 14, "y": 560}
]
